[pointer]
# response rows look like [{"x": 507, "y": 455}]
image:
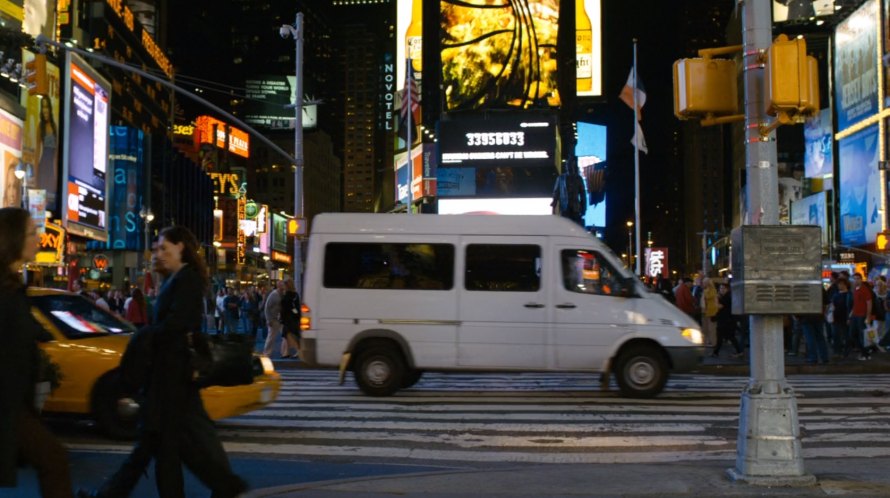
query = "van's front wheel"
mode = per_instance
[
  {"x": 379, "y": 371},
  {"x": 641, "y": 371}
]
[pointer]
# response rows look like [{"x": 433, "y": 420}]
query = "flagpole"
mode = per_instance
[
  {"x": 410, "y": 164},
  {"x": 636, "y": 163}
]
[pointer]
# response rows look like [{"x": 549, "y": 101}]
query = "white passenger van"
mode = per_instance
[{"x": 390, "y": 296}]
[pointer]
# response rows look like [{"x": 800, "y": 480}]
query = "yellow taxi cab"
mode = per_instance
[{"x": 87, "y": 343}]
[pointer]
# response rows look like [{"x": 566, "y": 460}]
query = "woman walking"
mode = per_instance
[{"x": 22, "y": 436}]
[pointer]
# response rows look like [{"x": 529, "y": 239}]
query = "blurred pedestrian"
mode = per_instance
[
  {"x": 23, "y": 437},
  {"x": 709, "y": 310},
  {"x": 840, "y": 306},
  {"x": 137, "y": 313},
  {"x": 683, "y": 296},
  {"x": 272, "y": 310},
  {"x": 219, "y": 310},
  {"x": 290, "y": 320},
  {"x": 860, "y": 314},
  {"x": 726, "y": 322},
  {"x": 231, "y": 307}
]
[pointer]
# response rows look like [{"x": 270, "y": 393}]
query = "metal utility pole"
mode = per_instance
[
  {"x": 769, "y": 446},
  {"x": 296, "y": 32}
]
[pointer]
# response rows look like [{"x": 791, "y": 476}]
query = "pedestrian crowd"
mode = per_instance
[{"x": 852, "y": 324}]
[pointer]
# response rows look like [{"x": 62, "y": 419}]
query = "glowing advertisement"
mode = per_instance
[
  {"x": 801, "y": 10},
  {"x": 239, "y": 140},
  {"x": 496, "y": 56},
  {"x": 856, "y": 66},
  {"x": 126, "y": 228},
  {"x": 818, "y": 140},
  {"x": 656, "y": 259},
  {"x": 85, "y": 157},
  {"x": 509, "y": 140},
  {"x": 267, "y": 103},
  {"x": 812, "y": 210},
  {"x": 10, "y": 159},
  {"x": 533, "y": 205},
  {"x": 591, "y": 153},
  {"x": 588, "y": 49},
  {"x": 860, "y": 188},
  {"x": 279, "y": 233},
  {"x": 40, "y": 142}
]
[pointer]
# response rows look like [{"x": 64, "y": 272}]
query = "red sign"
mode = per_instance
[
  {"x": 656, "y": 262},
  {"x": 239, "y": 141},
  {"x": 100, "y": 262}
]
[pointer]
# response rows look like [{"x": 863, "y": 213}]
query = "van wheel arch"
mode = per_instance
[
  {"x": 641, "y": 368},
  {"x": 379, "y": 367},
  {"x": 372, "y": 337}
]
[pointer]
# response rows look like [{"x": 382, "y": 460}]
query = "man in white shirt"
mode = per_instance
[{"x": 272, "y": 310}]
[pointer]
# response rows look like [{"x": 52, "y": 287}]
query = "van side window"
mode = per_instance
[
  {"x": 503, "y": 267},
  {"x": 587, "y": 272},
  {"x": 389, "y": 266}
]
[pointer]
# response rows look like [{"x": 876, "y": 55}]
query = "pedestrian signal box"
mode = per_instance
[
  {"x": 296, "y": 226},
  {"x": 792, "y": 78},
  {"x": 882, "y": 241},
  {"x": 705, "y": 87}
]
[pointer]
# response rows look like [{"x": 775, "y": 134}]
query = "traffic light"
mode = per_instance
[
  {"x": 882, "y": 241},
  {"x": 705, "y": 86},
  {"x": 792, "y": 79},
  {"x": 35, "y": 75},
  {"x": 296, "y": 226}
]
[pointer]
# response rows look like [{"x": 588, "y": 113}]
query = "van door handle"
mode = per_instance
[
  {"x": 534, "y": 305},
  {"x": 566, "y": 306}
]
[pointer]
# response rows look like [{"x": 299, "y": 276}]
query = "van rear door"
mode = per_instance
[{"x": 503, "y": 304}]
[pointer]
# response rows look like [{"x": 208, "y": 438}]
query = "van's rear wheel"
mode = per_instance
[
  {"x": 641, "y": 371},
  {"x": 379, "y": 370}
]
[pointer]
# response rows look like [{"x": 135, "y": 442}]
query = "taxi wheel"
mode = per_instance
[
  {"x": 116, "y": 413},
  {"x": 641, "y": 371},
  {"x": 379, "y": 370}
]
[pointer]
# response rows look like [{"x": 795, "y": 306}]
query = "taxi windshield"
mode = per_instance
[{"x": 77, "y": 317}]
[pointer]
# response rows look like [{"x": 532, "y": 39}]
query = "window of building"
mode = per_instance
[
  {"x": 503, "y": 267},
  {"x": 389, "y": 266}
]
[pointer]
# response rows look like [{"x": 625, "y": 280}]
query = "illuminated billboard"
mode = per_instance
[
  {"x": 856, "y": 66},
  {"x": 126, "y": 152},
  {"x": 10, "y": 159},
  {"x": 279, "y": 233},
  {"x": 85, "y": 157},
  {"x": 508, "y": 140},
  {"x": 588, "y": 49},
  {"x": 861, "y": 204},
  {"x": 801, "y": 10},
  {"x": 267, "y": 103},
  {"x": 496, "y": 56},
  {"x": 818, "y": 140},
  {"x": 591, "y": 153},
  {"x": 206, "y": 127},
  {"x": 812, "y": 210},
  {"x": 40, "y": 142},
  {"x": 534, "y": 205}
]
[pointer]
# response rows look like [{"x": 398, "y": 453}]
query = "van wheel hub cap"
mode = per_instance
[
  {"x": 378, "y": 372},
  {"x": 641, "y": 372}
]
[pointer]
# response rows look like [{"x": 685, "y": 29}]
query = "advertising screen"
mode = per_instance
[
  {"x": 498, "y": 56},
  {"x": 856, "y": 66},
  {"x": 859, "y": 188},
  {"x": 588, "y": 49},
  {"x": 125, "y": 228},
  {"x": 10, "y": 159},
  {"x": 818, "y": 154},
  {"x": 279, "y": 233},
  {"x": 509, "y": 140},
  {"x": 801, "y": 10},
  {"x": 239, "y": 140},
  {"x": 267, "y": 103},
  {"x": 40, "y": 142},
  {"x": 812, "y": 210},
  {"x": 591, "y": 153},
  {"x": 85, "y": 178},
  {"x": 534, "y": 205}
]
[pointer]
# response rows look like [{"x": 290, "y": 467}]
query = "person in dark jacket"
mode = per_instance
[
  {"x": 175, "y": 425},
  {"x": 290, "y": 320},
  {"x": 22, "y": 435},
  {"x": 726, "y": 322}
]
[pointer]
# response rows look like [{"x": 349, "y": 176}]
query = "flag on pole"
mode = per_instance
[
  {"x": 410, "y": 98},
  {"x": 631, "y": 90}
]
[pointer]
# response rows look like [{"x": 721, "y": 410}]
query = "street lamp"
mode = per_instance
[
  {"x": 20, "y": 174},
  {"x": 295, "y": 31},
  {"x": 630, "y": 244},
  {"x": 147, "y": 217}
]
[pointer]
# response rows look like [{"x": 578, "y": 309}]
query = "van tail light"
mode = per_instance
[{"x": 305, "y": 317}]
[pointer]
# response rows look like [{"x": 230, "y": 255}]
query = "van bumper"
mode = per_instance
[{"x": 684, "y": 359}]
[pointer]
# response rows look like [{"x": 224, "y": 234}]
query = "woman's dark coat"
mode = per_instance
[
  {"x": 18, "y": 373},
  {"x": 178, "y": 311}
]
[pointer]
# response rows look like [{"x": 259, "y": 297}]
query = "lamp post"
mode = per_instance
[
  {"x": 295, "y": 31},
  {"x": 630, "y": 244}
]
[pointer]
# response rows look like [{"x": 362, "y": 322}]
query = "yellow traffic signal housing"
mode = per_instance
[
  {"x": 296, "y": 226},
  {"x": 35, "y": 76},
  {"x": 792, "y": 78},
  {"x": 705, "y": 86},
  {"x": 882, "y": 241}
]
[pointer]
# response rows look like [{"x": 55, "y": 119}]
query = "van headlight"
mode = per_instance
[{"x": 693, "y": 335}]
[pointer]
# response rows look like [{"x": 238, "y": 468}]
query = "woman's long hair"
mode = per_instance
[
  {"x": 191, "y": 250},
  {"x": 13, "y": 224}
]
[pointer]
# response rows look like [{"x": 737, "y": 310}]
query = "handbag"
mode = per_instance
[
  {"x": 829, "y": 314},
  {"x": 221, "y": 361}
]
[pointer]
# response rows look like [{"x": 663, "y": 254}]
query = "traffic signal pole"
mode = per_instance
[{"x": 769, "y": 447}]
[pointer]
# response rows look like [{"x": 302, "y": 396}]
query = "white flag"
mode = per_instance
[{"x": 639, "y": 141}]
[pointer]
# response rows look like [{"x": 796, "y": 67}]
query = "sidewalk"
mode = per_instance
[
  {"x": 797, "y": 365},
  {"x": 842, "y": 476}
]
